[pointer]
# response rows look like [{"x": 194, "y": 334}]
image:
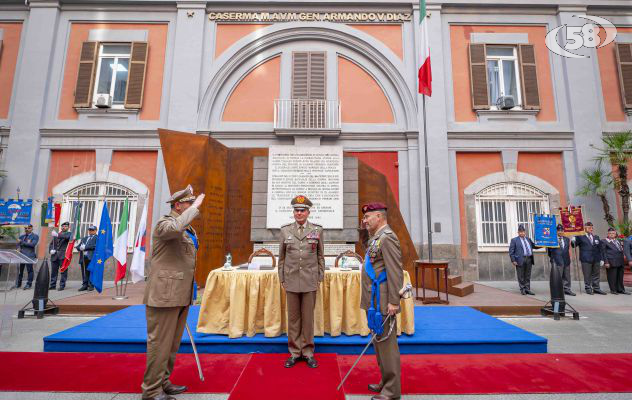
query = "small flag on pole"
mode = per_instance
[
  {"x": 137, "y": 268},
  {"x": 120, "y": 245},
  {"x": 425, "y": 71},
  {"x": 102, "y": 251}
]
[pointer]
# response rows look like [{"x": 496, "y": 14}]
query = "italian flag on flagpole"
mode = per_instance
[
  {"x": 425, "y": 72},
  {"x": 120, "y": 245},
  {"x": 71, "y": 244}
]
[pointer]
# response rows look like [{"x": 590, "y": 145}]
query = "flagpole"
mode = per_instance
[{"x": 427, "y": 174}]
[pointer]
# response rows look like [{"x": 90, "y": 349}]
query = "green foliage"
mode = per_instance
[
  {"x": 9, "y": 232},
  {"x": 624, "y": 228}
]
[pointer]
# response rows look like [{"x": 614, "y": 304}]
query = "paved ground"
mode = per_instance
[{"x": 604, "y": 327}]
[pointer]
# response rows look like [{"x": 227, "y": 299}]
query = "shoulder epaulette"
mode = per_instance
[{"x": 283, "y": 226}]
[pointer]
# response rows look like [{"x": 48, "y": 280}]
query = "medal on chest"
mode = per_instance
[
  {"x": 314, "y": 236},
  {"x": 374, "y": 249}
]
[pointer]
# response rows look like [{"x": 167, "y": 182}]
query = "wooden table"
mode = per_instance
[{"x": 436, "y": 265}]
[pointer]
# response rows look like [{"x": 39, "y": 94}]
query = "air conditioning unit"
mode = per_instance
[
  {"x": 103, "y": 101},
  {"x": 506, "y": 102}
]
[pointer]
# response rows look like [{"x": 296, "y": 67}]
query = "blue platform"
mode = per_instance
[{"x": 438, "y": 330}]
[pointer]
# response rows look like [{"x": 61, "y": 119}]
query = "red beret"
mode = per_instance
[{"x": 373, "y": 207}]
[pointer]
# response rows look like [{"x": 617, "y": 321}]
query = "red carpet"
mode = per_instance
[
  {"x": 498, "y": 373},
  {"x": 112, "y": 372},
  {"x": 265, "y": 377}
]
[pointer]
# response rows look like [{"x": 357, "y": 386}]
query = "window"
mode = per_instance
[
  {"x": 502, "y": 207},
  {"x": 115, "y": 69},
  {"x": 497, "y": 71},
  {"x": 91, "y": 197},
  {"x": 308, "y": 89},
  {"x": 503, "y": 74},
  {"x": 112, "y": 71},
  {"x": 623, "y": 52}
]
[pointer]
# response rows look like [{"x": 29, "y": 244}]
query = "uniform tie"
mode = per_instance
[{"x": 300, "y": 230}]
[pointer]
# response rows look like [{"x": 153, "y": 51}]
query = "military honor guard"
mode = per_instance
[
  {"x": 169, "y": 292},
  {"x": 86, "y": 249},
  {"x": 591, "y": 257},
  {"x": 560, "y": 258},
  {"x": 521, "y": 255},
  {"x": 382, "y": 279},
  {"x": 27, "y": 243},
  {"x": 57, "y": 249},
  {"x": 613, "y": 258},
  {"x": 301, "y": 269}
]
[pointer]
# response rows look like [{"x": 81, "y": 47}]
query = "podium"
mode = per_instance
[{"x": 10, "y": 259}]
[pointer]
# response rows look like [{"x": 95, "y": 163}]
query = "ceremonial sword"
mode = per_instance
[
  {"x": 195, "y": 353},
  {"x": 405, "y": 293}
]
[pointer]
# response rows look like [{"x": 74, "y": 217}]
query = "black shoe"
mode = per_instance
[
  {"x": 81, "y": 289},
  {"x": 27, "y": 286},
  {"x": 624, "y": 292},
  {"x": 290, "y": 362},
  {"x": 172, "y": 389},
  {"x": 599, "y": 291},
  {"x": 90, "y": 288},
  {"x": 530, "y": 292},
  {"x": 61, "y": 288},
  {"x": 570, "y": 293},
  {"x": 311, "y": 362},
  {"x": 589, "y": 291},
  {"x": 52, "y": 288},
  {"x": 523, "y": 292},
  {"x": 375, "y": 387},
  {"x": 613, "y": 292}
]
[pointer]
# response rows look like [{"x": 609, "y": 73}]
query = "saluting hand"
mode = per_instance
[{"x": 198, "y": 201}]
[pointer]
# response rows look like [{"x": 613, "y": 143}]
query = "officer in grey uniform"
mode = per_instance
[{"x": 301, "y": 269}]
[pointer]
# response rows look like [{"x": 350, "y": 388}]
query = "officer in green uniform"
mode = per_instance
[{"x": 301, "y": 269}]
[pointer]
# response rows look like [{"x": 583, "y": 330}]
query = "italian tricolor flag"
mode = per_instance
[
  {"x": 425, "y": 72},
  {"x": 120, "y": 245},
  {"x": 71, "y": 243}
]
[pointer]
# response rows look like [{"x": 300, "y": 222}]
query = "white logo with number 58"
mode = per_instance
[{"x": 581, "y": 36}]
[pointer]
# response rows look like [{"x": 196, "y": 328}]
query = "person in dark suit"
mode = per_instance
[
  {"x": 86, "y": 249},
  {"x": 561, "y": 258},
  {"x": 521, "y": 255},
  {"x": 591, "y": 257},
  {"x": 627, "y": 250},
  {"x": 613, "y": 256},
  {"x": 27, "y": 243},
  {"x": 57, "y": 251}
]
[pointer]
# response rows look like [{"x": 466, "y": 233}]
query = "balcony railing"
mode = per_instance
[{"x": 307, "y": 114}]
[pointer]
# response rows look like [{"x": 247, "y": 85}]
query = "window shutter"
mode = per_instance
[
  {"x": 85, "y": 75},
  {"x": 300, "y": 75},
  {"x": 529, "y": 72},
  {"x": 317, "y": 75},
  {"x": 0, "y": 47},
  {"x": 478, "y": 76},
  {"x": 136, "y": 75},
  {"x": 624, "y": 64}
]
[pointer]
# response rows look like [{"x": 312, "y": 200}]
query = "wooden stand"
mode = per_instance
[{"x": 436, "y": 265}]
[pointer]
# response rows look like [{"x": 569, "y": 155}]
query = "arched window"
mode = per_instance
[
  {"x": 501, "y": 207},
  {"x": 91, "y": 197}
]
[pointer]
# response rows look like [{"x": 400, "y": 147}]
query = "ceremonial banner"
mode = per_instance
[
  {"x": 545, "y": 230},
  {"x": 572, "y": 220},
  {"x": 103, "y": 250},
  {"x": 15, "y": 212}
]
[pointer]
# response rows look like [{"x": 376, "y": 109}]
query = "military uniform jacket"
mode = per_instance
[
  {"x": 170, "y": 282},
  {"x": 385, "y": 253},
  {"x": 301, "y": 257}
]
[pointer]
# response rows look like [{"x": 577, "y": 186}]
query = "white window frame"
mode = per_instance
[
  {"x": 511, "y": 194},
  {"x": 500, "y": 59},
  {"x": 113, "y": 83},
  {"x": 92, "y": 195}
]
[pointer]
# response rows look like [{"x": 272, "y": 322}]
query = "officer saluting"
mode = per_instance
[
  {"x": 169, "y": 292},
  {"x": 301, "y": 269},
  {"x": 382, "y": 278}
]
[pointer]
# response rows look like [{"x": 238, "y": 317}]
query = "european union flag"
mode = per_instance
[{"x": 103, "y": 250}]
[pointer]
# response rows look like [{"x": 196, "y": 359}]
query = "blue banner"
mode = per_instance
[
  {"x": 104, "y": 249},
  {"x": 15, "y": 212},
  {"x": 545, "y": 227},
  {"x": 50, "y": 211}
]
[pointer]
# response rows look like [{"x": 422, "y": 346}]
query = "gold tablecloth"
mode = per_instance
[{"x": 247, "y": 302}]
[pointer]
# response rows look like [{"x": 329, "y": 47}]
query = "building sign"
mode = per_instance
[
  {"x": 315, "y": 172},
  {"x": 344, "y": 17}
]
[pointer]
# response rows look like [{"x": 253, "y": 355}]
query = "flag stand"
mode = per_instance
[{"x": 120, "y": 289}]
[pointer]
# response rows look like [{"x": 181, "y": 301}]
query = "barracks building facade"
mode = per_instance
[{"x": 86, "y": 84}]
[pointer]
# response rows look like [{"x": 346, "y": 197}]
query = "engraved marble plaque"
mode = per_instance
[{"x": 316, "y": 172}]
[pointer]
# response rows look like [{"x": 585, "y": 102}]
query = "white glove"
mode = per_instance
[
  {"x": 54, "y": 234},
  {"x": 573, "y": 239},
  {"x": 601, "y": 263},
  {"x": 53, "y": 252},
  {"x": 82, "y": 247}
]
